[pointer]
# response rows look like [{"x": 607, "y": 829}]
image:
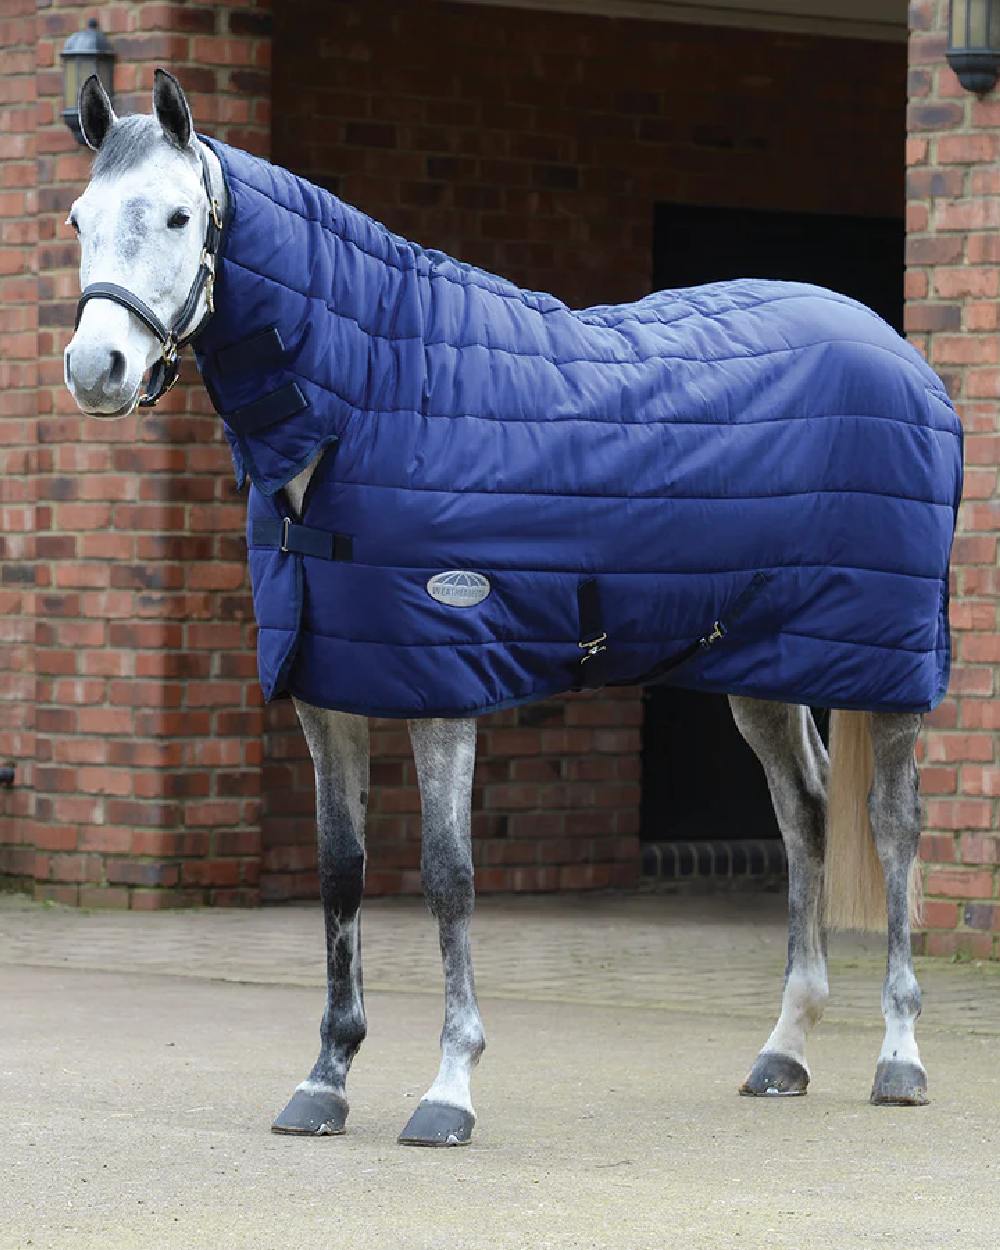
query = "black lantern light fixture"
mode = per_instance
[
  {"x": 87, "y": 52},
  {"x": 974, "y": 43}
]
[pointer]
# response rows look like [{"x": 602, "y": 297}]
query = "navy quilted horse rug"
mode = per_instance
[{"x": 748, "y": 487}]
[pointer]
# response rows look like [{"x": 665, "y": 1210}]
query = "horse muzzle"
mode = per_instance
[{"x": 99, "y": 380}]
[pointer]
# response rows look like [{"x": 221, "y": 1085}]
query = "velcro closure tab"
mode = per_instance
[
  {"x": 257, "y": 352},
  {"x": 268, "y": 410}
]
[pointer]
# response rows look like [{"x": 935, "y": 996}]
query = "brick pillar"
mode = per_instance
[
  {"x": 147, "y": 769},
  {"x": 953, "y": 316},
  {"x": 18, "y": 377}
]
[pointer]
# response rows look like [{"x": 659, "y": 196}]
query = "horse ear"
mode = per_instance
[
  {"x": 171, "y": 108},
  {"x": 96, "y": 114}
]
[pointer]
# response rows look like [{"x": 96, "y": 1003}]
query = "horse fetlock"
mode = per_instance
[
  {"x": 901, "y": 998},
  {"x": 465, "y": 1039},
  {"x": 807, "y": 993}
]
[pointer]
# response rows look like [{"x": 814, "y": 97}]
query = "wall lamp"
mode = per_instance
[
  {"x": 87, "y": 52},
  {"x": 974, "y": 43}
]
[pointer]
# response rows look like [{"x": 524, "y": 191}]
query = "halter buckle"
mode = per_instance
[
  {"x": 208, "y": 264},
  {"x": 169, "y": 354},
  {"x": 216, "y": 215}
]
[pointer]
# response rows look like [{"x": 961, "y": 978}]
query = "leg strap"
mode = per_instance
[{"x": 593, "y": 638}]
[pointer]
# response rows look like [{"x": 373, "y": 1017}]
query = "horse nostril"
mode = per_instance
[{"x": 116, "y": 374}]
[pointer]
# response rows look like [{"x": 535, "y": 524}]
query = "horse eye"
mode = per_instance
[
  {"x": 73, "y": 222},
  {"x": 179, "y": 219}
]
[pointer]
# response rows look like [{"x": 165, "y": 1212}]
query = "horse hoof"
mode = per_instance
[
  {"x": 438, "y": 1124},
  {"x": 899, "y": 1083},
  {"x": 777, "y": 1076},
  {"x": 319, "y": 1113}
]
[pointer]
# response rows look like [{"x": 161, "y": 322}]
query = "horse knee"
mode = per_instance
[
  {"x": 448, "y": 883},
  {"x": 342, "y": 881}
]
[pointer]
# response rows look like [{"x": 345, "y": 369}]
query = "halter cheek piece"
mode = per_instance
[{"x": 172, "y": 337}]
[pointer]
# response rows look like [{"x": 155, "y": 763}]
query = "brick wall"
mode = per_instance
[
  {"x": 142, "y": 785},
  {"x": 18, "y": 378},
  {"x": 953, "y": 315},
  {"x": 536, "y": 145}
]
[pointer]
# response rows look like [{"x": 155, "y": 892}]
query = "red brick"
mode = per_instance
[
  {"x": 981, "y": 916},
  {"x": 968, "y": 149},
  {"x": 959, "y": 814},
  {"x": 937, "y": 848},
  {"x": 972, "y": 945},
  {"x": 960, "y": 746},
  {"x": 959, "y": 883}
]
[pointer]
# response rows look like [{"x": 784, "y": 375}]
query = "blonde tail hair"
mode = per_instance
[{"x": 854, "y": 884}]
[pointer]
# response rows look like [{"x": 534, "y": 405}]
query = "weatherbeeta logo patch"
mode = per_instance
[{"x": 458, "y": 588}]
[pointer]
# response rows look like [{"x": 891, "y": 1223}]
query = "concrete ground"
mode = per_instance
[{"x": 142, "y": 1057}]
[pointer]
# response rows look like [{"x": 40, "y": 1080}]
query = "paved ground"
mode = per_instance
[{"x": 141, "y": 1058}]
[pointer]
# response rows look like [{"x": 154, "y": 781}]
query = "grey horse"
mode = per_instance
[{"x": 850, "y": 822}]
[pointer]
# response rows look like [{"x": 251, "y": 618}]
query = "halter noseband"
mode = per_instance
[{"x": 172, "y": 337}]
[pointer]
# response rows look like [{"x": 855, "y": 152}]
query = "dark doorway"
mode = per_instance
[{"x": 700, "y": 780}]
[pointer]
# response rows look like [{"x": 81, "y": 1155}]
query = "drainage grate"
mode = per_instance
[{"x": 743, "y": 860}]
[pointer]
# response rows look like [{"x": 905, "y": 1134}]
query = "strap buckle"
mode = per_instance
[
  {"x": 718, "y": 632},
  {"x": 286, "y": 526},
  {"x": 594, "y": 647}
]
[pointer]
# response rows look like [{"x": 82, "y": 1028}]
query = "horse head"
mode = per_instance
[{"x": 149, "y": 225}]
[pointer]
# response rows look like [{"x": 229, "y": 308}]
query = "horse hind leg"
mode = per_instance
[
  {"x": 338, "y": 744},
  {"x": 444, "y": 753},
  {"x": 787, "y": 743},
  {"x": 900, "y": 1078}
]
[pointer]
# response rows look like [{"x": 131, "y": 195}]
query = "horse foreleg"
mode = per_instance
[
  {"x": 900, "y": 1078},
  {"x": 338, "y": 744},
  {"x": 444, "y": 752},
  {"x": 787, "y": 743}
]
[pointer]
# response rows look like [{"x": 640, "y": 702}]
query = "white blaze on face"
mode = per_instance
[{"x": 142, "y": 229}]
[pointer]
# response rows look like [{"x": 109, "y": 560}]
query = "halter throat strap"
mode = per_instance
[{"x": 173, "y": 337}]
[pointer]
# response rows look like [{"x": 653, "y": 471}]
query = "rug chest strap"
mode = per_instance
[{"x": 286, "y": 535}]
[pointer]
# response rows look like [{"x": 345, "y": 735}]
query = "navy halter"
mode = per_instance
[{"x": 172, "y": 337}]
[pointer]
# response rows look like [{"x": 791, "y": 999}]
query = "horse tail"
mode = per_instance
[{"x": 853, "y": 882}]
